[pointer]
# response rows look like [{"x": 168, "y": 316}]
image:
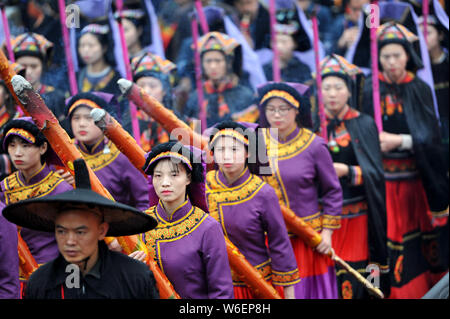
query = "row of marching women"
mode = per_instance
[{"x": 319, "y": 185}]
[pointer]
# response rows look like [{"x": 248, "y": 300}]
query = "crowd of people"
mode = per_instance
[{"x": 366, "y": 172}]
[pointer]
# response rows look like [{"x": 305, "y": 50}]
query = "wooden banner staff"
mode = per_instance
[
  {"x": 64, "y": 147},
  {"x": 129, "y": 148},
  {"x": 313, "y": 238}
]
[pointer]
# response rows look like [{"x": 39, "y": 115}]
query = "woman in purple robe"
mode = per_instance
[
  {"x": 122, "y": 180},
  {"x": 303, "y": 172},
  {"x": 9, "y": 259},
  {"x": 187, "y": 244},
  {"x": 33, "y": 158},
  {"x": 248, "y": 210}
]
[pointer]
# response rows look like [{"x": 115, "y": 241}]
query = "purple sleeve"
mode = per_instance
[
  {"x": 136, "y": 185},
  {"x": 329, "y": 187},
  {"x": 284, "y": 264},
  {"x": 215, "y": 258},
  {"x": 9, "y": 260}
]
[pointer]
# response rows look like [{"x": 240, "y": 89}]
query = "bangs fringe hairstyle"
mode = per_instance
[{"x": 175, "y": 147}]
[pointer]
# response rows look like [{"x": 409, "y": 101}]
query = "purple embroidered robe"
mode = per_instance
[
  {"x": 42, "y": 245},
  {"x": 303, "y": 173},
  {"x": 248, "y": 209},
  {"x": 190, "y": 249},
  {"x": 115, "y": 171},
  {"x": 9, "y": 259}
]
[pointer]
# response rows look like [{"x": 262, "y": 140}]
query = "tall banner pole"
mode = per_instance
[
  {"x": 373, "y": 25},
  {"x": 273, "y": 36}
]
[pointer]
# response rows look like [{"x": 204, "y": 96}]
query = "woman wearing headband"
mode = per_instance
[
  {"x": 124, "y": 182},
  {"x": 224, "y": 94},
  {"x": 303, "y": 172},
  {"x": 355, "y": 149},
  {"x": 416, "y": 183},
  {"x": 32, "y": 156},
  {"x": 187, "y": 244},
  {"x": 248, "y": 210}
]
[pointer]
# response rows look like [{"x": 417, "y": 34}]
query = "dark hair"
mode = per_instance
[
  {"x": 177, "y": 147},
  {"x": 29, "y": 127},
  {"x": 88, "y": 96}
]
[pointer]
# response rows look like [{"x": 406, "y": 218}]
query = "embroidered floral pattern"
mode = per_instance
[
  {"x": 99, "y": 160},
  {"x": 347, "y": 290},
  {"x": 165, "y": 231},
  {"x": 15, "y": 191}
]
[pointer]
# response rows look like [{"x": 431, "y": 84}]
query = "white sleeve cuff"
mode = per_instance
[{"x": 407, "y": 142}]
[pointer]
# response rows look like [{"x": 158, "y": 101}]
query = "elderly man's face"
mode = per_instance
[{"x": 77, "y": 233}]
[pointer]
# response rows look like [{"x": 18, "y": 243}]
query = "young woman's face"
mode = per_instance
[
  {"x": 170, "y": 181},
  {"x": 433, "y": 37},
  {"x": 83, "y": 126},
  {"x": 335, "y": 93},
  {"x": 25, "y": 156},
  {"x": 214, "y": 65},
  {"x": 393, "y": 60},
  {"x": 132, "y": 33},
  {"x": 33, "y": 68},
  {"x": 230, "y": 155},
  {"x": 152, "y": 86},
  {"x": 285, "y": 46},
  {"x": 90, "y": 49},
  {"x": 280, "y": 114}
]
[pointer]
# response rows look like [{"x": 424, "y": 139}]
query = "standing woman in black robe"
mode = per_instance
[
  {"x": 355, "y": 149},
  {"x": 416, "y": 183}
]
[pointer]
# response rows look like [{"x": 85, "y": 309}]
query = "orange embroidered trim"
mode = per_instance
[
  {"x": 14, "y": 191},
  {"x": 168, "y": 154},
  {"x": 285, "y": 278},
  {"x": 353, "y": 209},
  {"x": 231, "y": 133},
  {"x": 265, "y": 269},
  {"x": 22, "y": 133},
  {"x": 84, "y": 102},
  {"x": 281, "y": 94},
  {"x": 331, "y": 222},
  {"x": 399, "y": 165},
  {"x": 171, "y": 231}
]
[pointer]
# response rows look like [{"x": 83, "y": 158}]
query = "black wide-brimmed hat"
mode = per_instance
[{"x": 40, "y": 213}]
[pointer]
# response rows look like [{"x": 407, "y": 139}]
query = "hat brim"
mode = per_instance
[{"x": 40, "y": 213}]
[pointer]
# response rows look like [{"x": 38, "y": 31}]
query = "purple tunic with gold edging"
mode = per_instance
[
  {"x": 190, "y": 249},
  {"x": 115, "y": 171},
  {"x": 303, "y": 173},
  {"x": 248, "y": 209},
  {"x": 42, "y": 245}
]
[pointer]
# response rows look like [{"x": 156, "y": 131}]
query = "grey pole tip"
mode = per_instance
[
  {"x": 20, "y": 85},
  {"x": 124, "y": 85},
  {"x": 98, "y": 115}
]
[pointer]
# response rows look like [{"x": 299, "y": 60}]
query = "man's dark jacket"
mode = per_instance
[{"x": 116, "y": 276}]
